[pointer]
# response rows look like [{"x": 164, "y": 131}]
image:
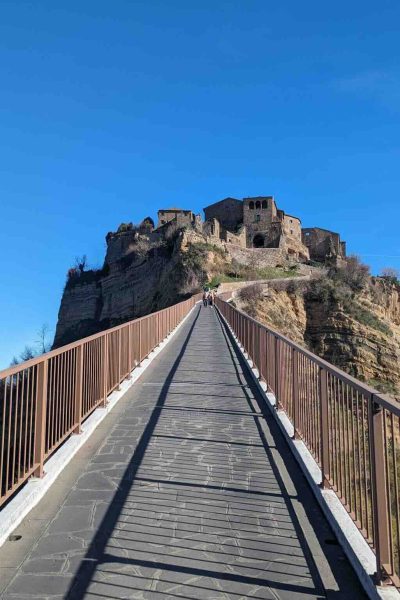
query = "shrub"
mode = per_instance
[
  {"x": 250, "y": 293},
  {"x": 328, "y": 292},
  {"x": 125, "y": 227},
  {"x": 390, "y": 275},
  {"x": 366, "y": 317},
  {"x": 352, "y": 273}
]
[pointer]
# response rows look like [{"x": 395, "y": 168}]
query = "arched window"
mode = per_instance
[
  {"x": 258, "y": 204},
  {"x": 251, "y": 205},
  {"x": 264, "y": 204}
]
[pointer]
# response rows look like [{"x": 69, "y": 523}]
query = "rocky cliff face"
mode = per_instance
[
  {"x": 360, "y": 336},
  {"x": 141, "y": 274}
]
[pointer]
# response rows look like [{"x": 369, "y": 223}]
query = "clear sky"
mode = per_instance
[{"x": 110, "y": 110}]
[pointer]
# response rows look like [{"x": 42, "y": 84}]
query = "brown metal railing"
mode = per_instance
[
  {"x": 46, "y": 399},
  {"x": 352, "y": 431}
]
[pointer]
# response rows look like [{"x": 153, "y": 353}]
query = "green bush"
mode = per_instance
[
  {"x": 352, "y": 273},
  {"x": 366, "y": 317}
]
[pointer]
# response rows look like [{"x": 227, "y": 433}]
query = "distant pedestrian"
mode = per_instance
[
  {"x": 205, "y": 298},
  {"x": 211, "y": 298}
]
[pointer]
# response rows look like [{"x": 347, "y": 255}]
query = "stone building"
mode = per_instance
[
  {"x": 258, "y": 223},
  {"x": 324, "y": 245},
  {"x": 182, "y": 217},
  {"x": 229, "y": 212}
]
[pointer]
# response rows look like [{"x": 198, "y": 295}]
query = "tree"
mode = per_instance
[
  {"x": 390, "y": 274},
  {"x": 352, "y": 273},
  {"x": 81, "y": 263},
  {"x": 27, "y": 353},
  {"x": 42, "y": 341}
]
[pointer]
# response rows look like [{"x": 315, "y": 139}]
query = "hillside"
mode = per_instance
[
  {"x": 146, "y": 271},
  {"x": 355, "y": 327},
  {"x": 339, "y": 312}
]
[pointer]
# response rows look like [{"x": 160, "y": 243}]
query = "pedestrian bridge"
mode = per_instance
[{"x": 186, "y": 489}]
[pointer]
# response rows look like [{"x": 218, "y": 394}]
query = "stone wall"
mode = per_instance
[
  {"x": 259, "y": 257},
  {"x": 182, "y": 217},
  {"x": 229, "y": 213},
  {"x": 211, "y": 228},
  {"x": 238, "y": 239},
  {"x": 119, "y": 244},
  {"x": 323, "y": 244}
]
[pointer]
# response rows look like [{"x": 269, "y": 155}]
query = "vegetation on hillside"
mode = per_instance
[{"x": 339, "y": 315}]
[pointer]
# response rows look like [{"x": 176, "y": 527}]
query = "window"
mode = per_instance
[
  {"x": 291, "y": 231},
  {"x": 257, "y": 219},
  {"x": 264, "y": 204},
  {"x": 258, "y": 204},
  {"x": 251, "y": 205}
]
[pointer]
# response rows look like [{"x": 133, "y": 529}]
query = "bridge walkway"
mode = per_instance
[{"x": 186, "y": 490}]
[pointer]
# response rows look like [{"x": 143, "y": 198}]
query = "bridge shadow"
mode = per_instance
[{"x": 127, "y": 552}]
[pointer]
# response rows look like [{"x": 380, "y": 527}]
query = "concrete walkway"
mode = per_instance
[{"x": 186, "y": 491}]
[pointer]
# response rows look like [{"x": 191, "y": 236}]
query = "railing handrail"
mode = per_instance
[
  {"x": 351, "y": 430},
  {"x": 14, "y": 369},
  {"x": 46, "y": 399},
  {"x": 383, "y": 399}
]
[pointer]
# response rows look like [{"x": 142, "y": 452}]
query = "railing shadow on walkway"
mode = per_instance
[
  {"x": 98, "y": 554},
  {"x": 88, "y": 566}
]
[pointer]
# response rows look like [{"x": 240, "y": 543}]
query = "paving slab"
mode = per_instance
[{"x": 188, "y": 491}]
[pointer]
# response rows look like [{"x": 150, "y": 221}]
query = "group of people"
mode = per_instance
[{"x": 208, "y": 298}]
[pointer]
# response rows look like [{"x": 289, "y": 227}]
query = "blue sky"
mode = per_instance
[{"x": 109, "y": 110}]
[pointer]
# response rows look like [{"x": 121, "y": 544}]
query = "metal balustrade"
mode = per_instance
[
  {"x": 46, "y": 399},
  {"x": 352, "y": 431}
]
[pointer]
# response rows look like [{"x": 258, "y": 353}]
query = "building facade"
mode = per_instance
[
  {"x": 257, "y": 222},
  {"x": 182, "y": 217},
  {"x": 323, "y": 245},
  {"x": 229, "y": 212}
]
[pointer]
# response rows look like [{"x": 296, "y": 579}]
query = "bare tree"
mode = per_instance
[
  {"x": 353, "y": 273},
  {"x": 81, "y": 263},
  {"x": 42, "y": 341},
  {"x": 390, "y": 273}
]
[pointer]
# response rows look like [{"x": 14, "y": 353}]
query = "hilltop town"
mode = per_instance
[
  {"x": 238, "y": 226},
  {"x": 152, "y": 265}
]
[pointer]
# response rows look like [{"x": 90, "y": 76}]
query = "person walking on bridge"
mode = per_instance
[{"x": 205, "y": 298}]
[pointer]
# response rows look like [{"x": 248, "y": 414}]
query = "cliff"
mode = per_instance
[
  {"x": 357, "y": 331},
  {"x": 141, "y": 273}
]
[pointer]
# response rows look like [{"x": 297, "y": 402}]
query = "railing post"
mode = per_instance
[
  {"x": 140, "y": 342},
  {"x": 129, "y": 351},
  {"x": 40, "y": 418},
  {"x": 277, "y": 372},
  {"x": 78, "y": 388},
  {"x": 104, "y": 365},
  {"x": 324, "y": 425},
  {"x": 380, "y": 498},
  {"x": 295, "y": 393},
  {"x": 119, "y": 359}
]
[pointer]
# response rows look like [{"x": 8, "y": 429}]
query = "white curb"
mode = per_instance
[
  {"x": 353, "y": 543},
  {"x": 34, "y": 490}
]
